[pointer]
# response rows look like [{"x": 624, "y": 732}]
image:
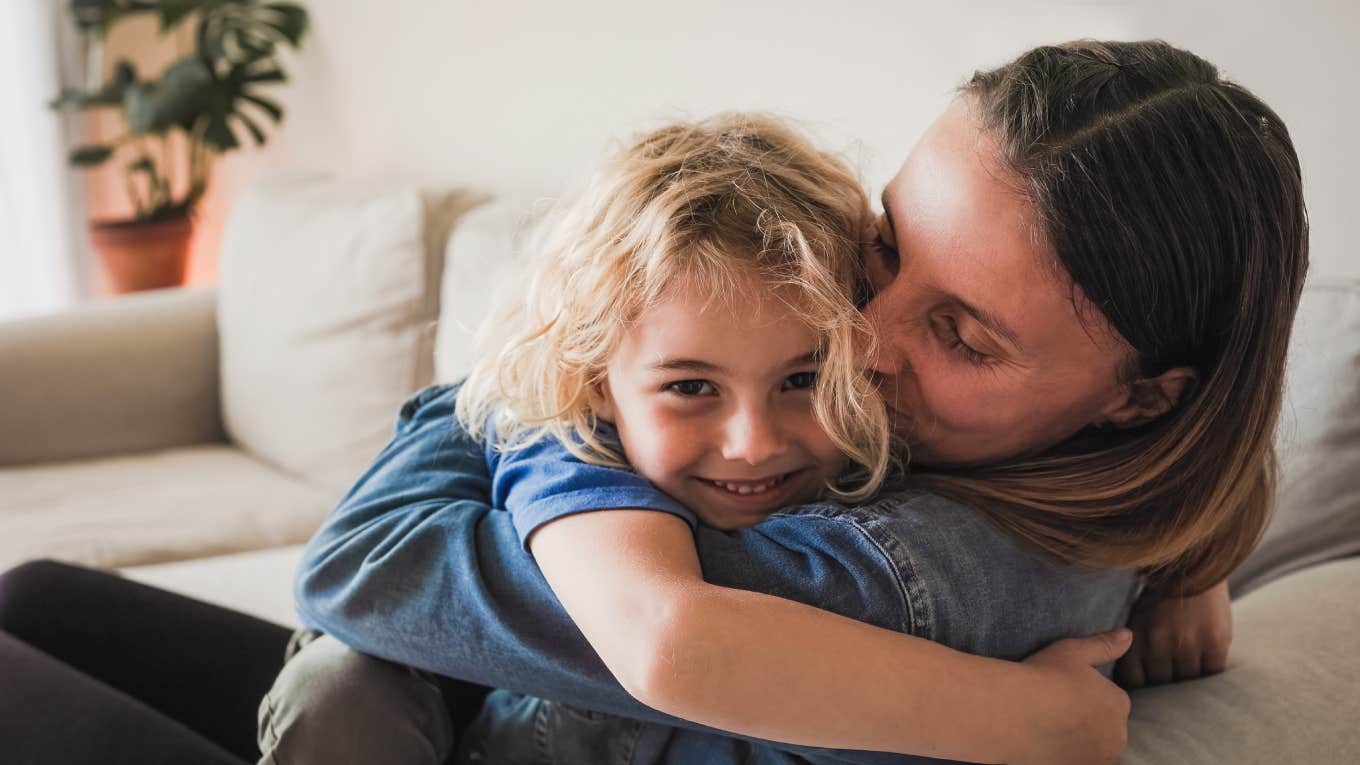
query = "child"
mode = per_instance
[{"x": 690, "y": 344}]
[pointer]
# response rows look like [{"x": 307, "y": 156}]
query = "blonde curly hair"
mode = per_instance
[{"x": 729, "y": 205}]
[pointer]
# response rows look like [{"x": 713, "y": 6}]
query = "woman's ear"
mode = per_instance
[{"x": 1147, "y": 399}]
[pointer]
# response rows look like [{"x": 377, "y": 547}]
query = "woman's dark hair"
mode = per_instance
[{"x": 1172, "y": 200}]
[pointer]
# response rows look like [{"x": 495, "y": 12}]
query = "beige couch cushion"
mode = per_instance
[
  {"x": 1292, "y": 690},
  {"x": 486, "y": 262},
  {"x": 150, "y": 507},
  {"x": 1317, "y": 512},
  {"x": 259, "y": 583},
  {"x": 329, "y": 293}
]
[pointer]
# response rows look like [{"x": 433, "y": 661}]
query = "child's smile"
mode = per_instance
[{"x": 712, "y": 399}]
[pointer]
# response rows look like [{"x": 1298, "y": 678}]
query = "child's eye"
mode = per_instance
[
  {"x": 800, "y": 381},
  {"x": 690, "y": 388}
]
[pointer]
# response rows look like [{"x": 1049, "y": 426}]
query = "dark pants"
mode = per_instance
[{"x": 97, "y": 668}]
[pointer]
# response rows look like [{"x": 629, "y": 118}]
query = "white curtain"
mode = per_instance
[{"x": 42, "y": 239}]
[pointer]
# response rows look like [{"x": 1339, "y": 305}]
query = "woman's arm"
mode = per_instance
[{"x": 771, "y": 668}]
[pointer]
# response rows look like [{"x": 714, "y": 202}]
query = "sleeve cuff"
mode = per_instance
[{"x": 529, "y": 518}]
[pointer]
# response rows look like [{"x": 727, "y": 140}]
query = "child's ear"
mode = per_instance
[
  {"x": 1143, "y": 401},
  {"x": 601, "y": 402}
]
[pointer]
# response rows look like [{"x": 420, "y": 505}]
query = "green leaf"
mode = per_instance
[
  {"x": 218, "y": 134},
  {"x": 266, "y": 105},
  {"x": 90, "y": 156},
  {"x": 177, "y": 100},
  {"x": 293, "y": 21},
  {"x": 254, "y": 129},
  {"x": 272, "y": 74},
  {"x": 175, "y": 11}
]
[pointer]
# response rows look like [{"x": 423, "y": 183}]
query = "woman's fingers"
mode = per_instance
[
  {"x": 1187, "y": 664},
  {"x": 1158, "y": 667},
  {"x": 1216, "y": 656},
  {"x": 1129, "y": 671}
]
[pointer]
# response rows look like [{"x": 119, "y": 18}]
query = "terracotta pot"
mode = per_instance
[{"x": 143, "y": 256}]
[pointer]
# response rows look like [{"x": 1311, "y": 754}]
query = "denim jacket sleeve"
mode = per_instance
[{"x": 414, "y": 566}]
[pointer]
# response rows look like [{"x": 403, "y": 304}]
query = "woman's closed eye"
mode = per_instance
[
  {"x": 690, "y": 388},
  {"x": 948, "y": 330},
  {"x": 888, "y": 257}
]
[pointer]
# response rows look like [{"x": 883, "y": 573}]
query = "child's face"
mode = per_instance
[{"x": 713, "y": 404}]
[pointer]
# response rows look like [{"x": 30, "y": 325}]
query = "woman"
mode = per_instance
[{"x": 1078, "y": 264}]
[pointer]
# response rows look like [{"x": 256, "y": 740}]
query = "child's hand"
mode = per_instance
[
  {"x": 1178, "y": 639},
  {"x": 1077, "y": 716}
]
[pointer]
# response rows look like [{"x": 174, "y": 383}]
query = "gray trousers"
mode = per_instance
[{"x": 334, "y": 705}]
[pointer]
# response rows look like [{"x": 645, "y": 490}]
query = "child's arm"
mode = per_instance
[
  {"x": 415, "y": 567},
  {"x": 771, "y": 668},
  {"x": 1177, "y": 638}
]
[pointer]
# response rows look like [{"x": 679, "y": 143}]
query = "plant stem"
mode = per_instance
[
  {"x": 134, "y": 196},
  {"x": 168, "y": 164}
]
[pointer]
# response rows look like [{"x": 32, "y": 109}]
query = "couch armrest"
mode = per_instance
[{"x": 131, "y": 373}]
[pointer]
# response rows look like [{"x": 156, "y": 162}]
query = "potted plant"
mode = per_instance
[{"x": 200, "y": 106}]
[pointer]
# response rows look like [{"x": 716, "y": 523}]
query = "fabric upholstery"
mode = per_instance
[
  {"x": 487, "y": 259},
  {"x": 259, "y": 582},
  {"x": 117, "y": 376},
  {"x": 1289, "y": 694},
  {"x": 330, "y": 291},
  {"x": 150, "y": 507},
  {"x": 1317, "y": 512}
]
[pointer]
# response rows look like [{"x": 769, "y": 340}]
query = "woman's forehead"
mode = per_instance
[{"x": 969, "y": 236}]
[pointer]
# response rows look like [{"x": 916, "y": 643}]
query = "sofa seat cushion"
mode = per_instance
[
  {"x": 1289, "y": 694},
  {"x": 151, "y": 507},
  {"x": 259, "y": 583}
]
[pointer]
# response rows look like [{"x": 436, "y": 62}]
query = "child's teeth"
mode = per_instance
[{"x": 747, "y": 488}]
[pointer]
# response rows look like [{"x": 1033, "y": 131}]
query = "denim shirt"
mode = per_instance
[{"x": 416, "y": 567}]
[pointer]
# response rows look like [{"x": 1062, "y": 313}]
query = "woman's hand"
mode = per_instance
[
  {"x": 1178, "y": 638},
  {"x": 1077, "y": 716}
]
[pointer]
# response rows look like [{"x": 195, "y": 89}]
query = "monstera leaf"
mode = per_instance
[
  {"x": 213, "y": 94},
  {"x": 176, "y": 100},
  {"x": 241, "y": 32}
]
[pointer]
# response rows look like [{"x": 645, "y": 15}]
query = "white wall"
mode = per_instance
[{"x": 518, "y": 96}]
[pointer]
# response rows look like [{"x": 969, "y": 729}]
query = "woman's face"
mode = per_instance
[{"x": 983, "y": 354}]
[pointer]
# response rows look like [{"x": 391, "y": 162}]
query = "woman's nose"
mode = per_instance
[
  {"x": 883, "y": 356},
  {"x": 753, "y": 436},
  {"x": 886, "y": 356}
]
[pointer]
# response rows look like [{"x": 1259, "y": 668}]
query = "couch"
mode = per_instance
[{"x": 194, "y": 438}]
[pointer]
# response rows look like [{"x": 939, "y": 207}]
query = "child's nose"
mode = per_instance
[{"x": 753, "y": 436}]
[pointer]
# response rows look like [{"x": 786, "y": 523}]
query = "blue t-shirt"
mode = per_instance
[{"x": 543, "y": 481}]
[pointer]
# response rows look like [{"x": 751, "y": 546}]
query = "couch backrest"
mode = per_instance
[
  {"x": 1317, "y": 512},
  {"x": 329, "y": 294},
  {"x": 486, "y": 259}
]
